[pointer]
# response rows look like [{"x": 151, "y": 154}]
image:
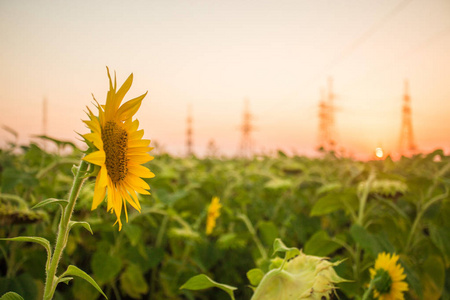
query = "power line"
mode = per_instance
[
  {"x": 365, "y": 36},
  {"x": 356, "y": 43},
  {"x": 426, "y": 43}
]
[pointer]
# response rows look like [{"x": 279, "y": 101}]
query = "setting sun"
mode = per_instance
[{"x": 379, "y": 152}]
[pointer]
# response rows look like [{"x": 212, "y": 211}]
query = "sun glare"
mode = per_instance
[{"x": 379, "y": 152}]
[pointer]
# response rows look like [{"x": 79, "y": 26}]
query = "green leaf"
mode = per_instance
[
  {"x": 132, "y": 282},
  {"x": 134, "y": 233},
  {"x": 365, "y": 239},
  {"x": 278, "y": 183},
  {"x": 82, "y": 223},
  {"x": 433, "y": 277},
  {"x": 279, "y": 246},
  {"x": 33, "y": 239},
  {"x": 334, "y": 201},
  {"x": 201, "y": 282},
  {"x": 439, "y": 236},
  {"x": 75, "y": 271},
  {"x": 12, "y": 177},
  {"x": 65, "y": 280},
  {"x": 11, "y": 296},
  {"x": 105, "y": 267},
  {"x": 326, "y": 204},
  {"x": 328, "y": 187},
  {"x": 320, "y": 244},
  {"x": 51, "y": 201},
  {"x": 255, "y": 276},
  {"x": 268, "y": 232},
  {"x": 24, "y": 285}
]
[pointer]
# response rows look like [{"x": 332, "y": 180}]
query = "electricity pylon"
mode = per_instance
[
  {"x": 406, "y": 141},
  {"x": 246, "y": 146},
  {"x": 189, "y": 142},
  {"x": 44, "y": 121},
  {"x": 327, "y": 140}
]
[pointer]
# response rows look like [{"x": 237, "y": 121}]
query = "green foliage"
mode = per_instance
[
  {"x": 11, "y": 296},
  {"x": 201, "y": 282},
  {"x": 312, "y": 203},
  {"x": 75, "y": 271}
]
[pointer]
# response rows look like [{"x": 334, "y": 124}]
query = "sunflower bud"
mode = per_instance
[{"x": 303, "y": 277}]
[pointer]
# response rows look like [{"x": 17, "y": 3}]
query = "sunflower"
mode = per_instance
[
  {"x": 213, "y": 214},
  {"x": 120, "y": 151},
  {"x": 388, "y": 278}
]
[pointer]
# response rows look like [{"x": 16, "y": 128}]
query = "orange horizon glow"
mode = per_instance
[{"x": 210, "y": 56}]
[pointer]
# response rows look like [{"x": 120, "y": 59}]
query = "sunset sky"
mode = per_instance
[{"x": 212, "y": 55}]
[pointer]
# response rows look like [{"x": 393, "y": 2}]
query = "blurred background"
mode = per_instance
[{"x": 235, "y": 76}]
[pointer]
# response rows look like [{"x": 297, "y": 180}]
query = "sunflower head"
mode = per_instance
[
  {"x": 388, "y": 278},
  {"x": 119, "y": 151},
  {"x": 303, "y": 277},
  {"x": 213, "y": 214}
]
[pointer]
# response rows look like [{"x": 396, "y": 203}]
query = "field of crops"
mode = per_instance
[{"x": 329, "y": 206}]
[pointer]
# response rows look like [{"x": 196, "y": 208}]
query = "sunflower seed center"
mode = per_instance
[{"x": 115, "y": 140}]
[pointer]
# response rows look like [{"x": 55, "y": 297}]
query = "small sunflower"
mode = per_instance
[
  {"x": 213, "y": 214},
  {"x": 121, "y": 151},
  {"x": 388, "y": 278}
]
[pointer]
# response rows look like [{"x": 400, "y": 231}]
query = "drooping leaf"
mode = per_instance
[
  {"x": 75, "y": 271},
  {"x": 51, "y": 201},
  {"x": 11, "y": 296},
  {"x": 33, "y": 239},
  {"x": 201, "y": 282},
  {"x": 86, "y": 225}
]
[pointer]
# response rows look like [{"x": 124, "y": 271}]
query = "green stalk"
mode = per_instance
[
  {"x": 63, "y": 231},
  {"x": 252, "y": 231},
  {"x": 363, "y": 199},
  {"x": 369, "y": 290},
  {"x": 421, "y": 211}
]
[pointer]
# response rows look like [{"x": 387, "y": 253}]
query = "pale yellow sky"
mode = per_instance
[{"x": 214, "y": 54}]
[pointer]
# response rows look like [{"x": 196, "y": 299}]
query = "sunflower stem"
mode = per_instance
[
  {"x": 369, "y": 290},
  {"x": 63, "y": 231}
]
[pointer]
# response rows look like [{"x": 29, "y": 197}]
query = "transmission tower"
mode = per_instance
[
  {"x": 189, "y": 142},
  {"x": 44, "y": 121},
  {"x": 326, "y": 119},
  {"x": 406, "y": 142},
  {"x": 245, "y": 148}
]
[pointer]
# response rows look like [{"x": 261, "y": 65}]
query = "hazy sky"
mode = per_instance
[{"x": 214, "y": 54}]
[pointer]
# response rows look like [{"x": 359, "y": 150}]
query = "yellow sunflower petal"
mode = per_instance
[
  {"x": 99, "y": 195},
  {"x": 123, "y": 90},
  {"x": 128, "y": 109},
  {"x": 138, "y": 143},
  {"x": 133, "y": 195},
  {"x": 136, "y": 181},
  {"x": 95, "y": 138},
  {"x": 127, "y": 197},
  {"x": 139, "y": 159},
  {"x": 121, "y": 150},
  {"x": 141, "y": 171},
  {"x": 136, "y": 135},
  {"x": 94, "y": 125},
  {"x": 96, "y": 158}
]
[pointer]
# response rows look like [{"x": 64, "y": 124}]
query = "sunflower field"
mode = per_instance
[{"x": 346, "y": 210}]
